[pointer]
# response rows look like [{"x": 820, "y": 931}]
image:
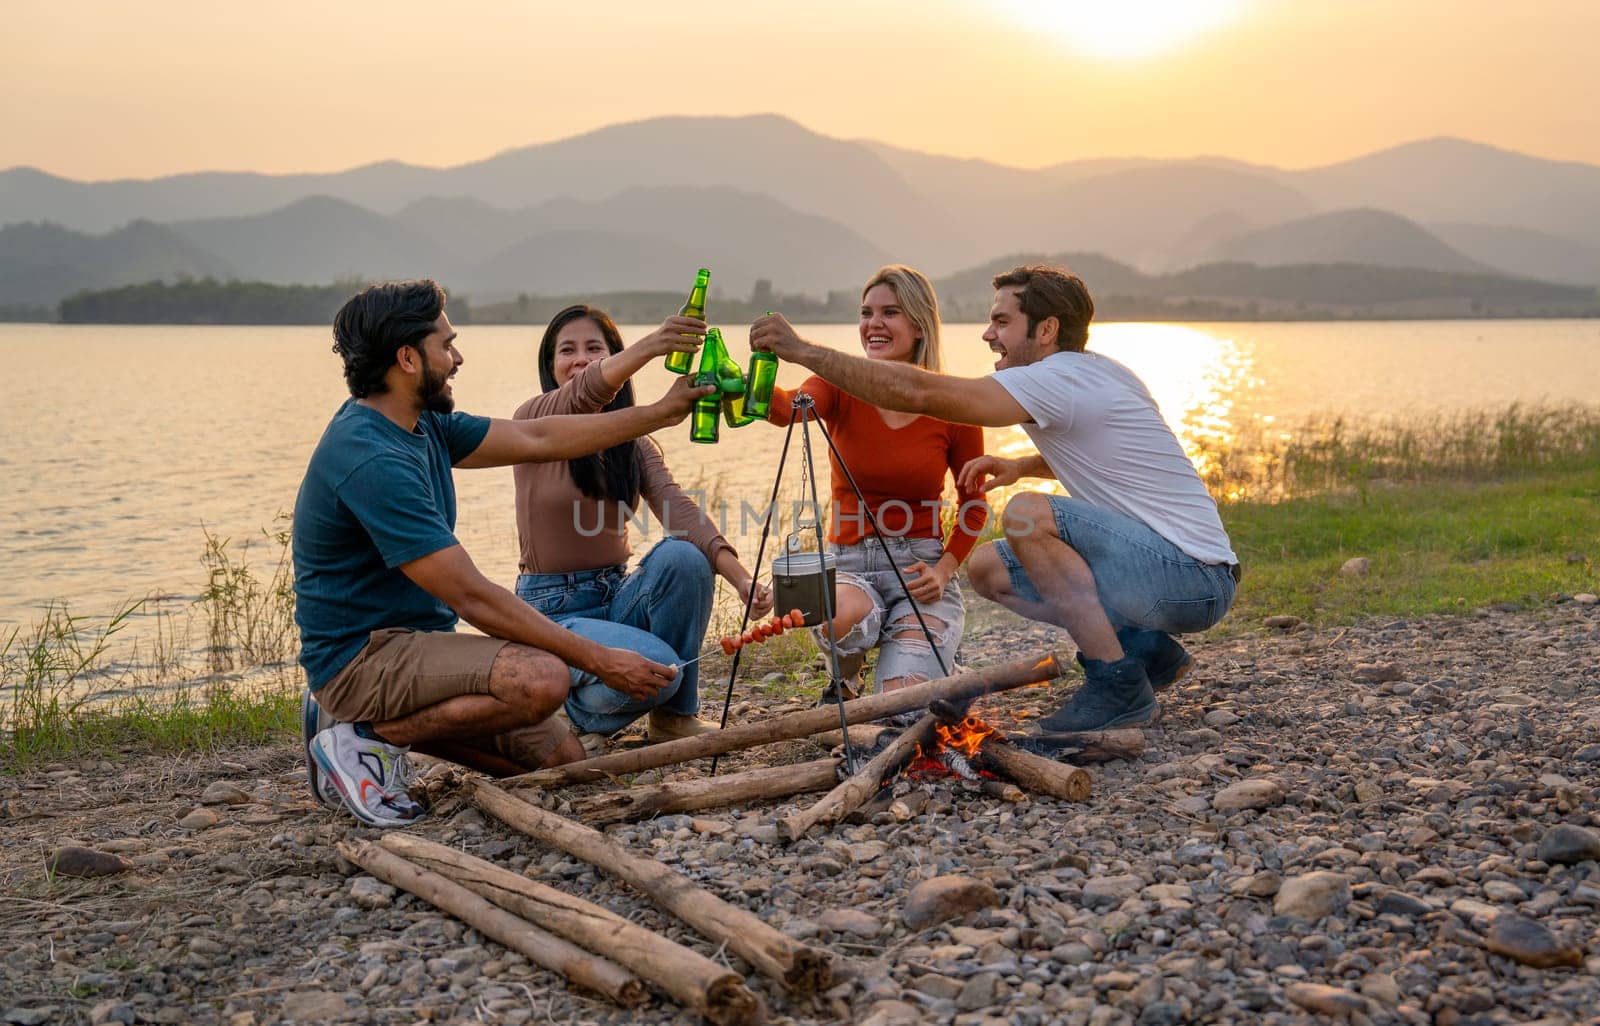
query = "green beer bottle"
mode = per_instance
[
  {"x": 734, "y": 411},
  {"x": 730, "y": 379},
  {"x": 679, "y": 363},
  {"x": 703, "y": 420},
  {"x": 763, "y": 375}
]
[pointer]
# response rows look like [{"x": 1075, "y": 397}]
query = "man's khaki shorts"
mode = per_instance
[{"x": 400, "y": 671}]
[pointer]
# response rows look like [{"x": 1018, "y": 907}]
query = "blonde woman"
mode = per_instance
[{"x": 900, "y": 462}]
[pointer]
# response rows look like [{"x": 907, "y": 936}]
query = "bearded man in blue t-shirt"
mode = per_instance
[{"x": 380, "y": 578}]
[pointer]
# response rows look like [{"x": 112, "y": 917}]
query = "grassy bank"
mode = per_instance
[
  {"x": 1454, "y": 514},
  {"x": 1437, "y": 547}
]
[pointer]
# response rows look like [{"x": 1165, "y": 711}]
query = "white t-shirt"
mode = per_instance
[{"x": 1103, "y": 437}]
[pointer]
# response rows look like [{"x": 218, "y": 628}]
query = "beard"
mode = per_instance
[{"x": 433, "y": 395}]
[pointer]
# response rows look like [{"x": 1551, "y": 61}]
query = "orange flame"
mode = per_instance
[{"x": 967, "y": 736}]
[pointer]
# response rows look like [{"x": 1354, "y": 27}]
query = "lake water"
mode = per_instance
[{"x": 122, "y": 443}]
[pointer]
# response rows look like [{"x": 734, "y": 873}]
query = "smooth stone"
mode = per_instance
[
  {"x": 944, "y": 898},
  {"x": 1318, "y": 997},
  {"x": 1382, "y": 988},
  {"x": 29, "y": 1016},
  {"x": 71, "y": 860},
  {"x": 1377, "y": 673},
  {"x": 1399, "y": 903},
  {"x": 1248, "y": 794},
  {"x": 1312, "y": 896},
  {"x": 1355, "y": 567},
  {"x": 1282, "y": 621},
  {"x": 1586, "y": 598},
  {"x": 1258, "y": 885},
  {"x": 853, "y": 921},
  {"x": 1111, "y": 891},
  {"x": 200, "y": 819},
  {"x": 371, "y": 893},
  {"x": 1530, "y": 943},
  {"x": 316, "y": 1006},
  {"x": 1566, "y": 844},
  {"x": 1221, "y": 718},
  {"x": 892, "y": 1013},
  {"x": 223, "y": 792}
]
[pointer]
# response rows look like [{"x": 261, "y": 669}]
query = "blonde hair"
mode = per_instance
[{"x": 915, "y": 293}]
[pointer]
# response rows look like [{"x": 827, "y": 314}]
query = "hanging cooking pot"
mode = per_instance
[{"x": 798, "y": 580}]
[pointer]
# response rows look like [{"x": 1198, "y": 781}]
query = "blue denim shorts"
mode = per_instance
[
  {"x": 903, "y": 650},
  {"x": 1143, "y": 579}
]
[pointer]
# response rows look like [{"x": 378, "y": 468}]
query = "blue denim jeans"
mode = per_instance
[
  {"x": 1144, "y": 580},
  {"x": 660, "y": 611},
  {"x": 902, "y": 651}
]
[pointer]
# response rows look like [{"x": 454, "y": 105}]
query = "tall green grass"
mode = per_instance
[
  {"x": 1265, "y": 463},
  {"x": 66, "y": 690}
]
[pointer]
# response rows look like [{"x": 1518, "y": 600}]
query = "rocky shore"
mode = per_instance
[{"x": 1391, "y": 822}]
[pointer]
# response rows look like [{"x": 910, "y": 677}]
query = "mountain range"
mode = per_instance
[{"x": 639, "y": 205}]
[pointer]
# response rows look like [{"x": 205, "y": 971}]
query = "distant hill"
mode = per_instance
[
  {"x": 639, "y": 205},
  {"x": 1524, "y": 251},
  {"x": 41, "y": 263},
  {"x": 1374, "y": 237},
  {"x": 1456, "y": 181},
  {"x": 318, "y": 240},
  {"x": 1241, "y": 290}
]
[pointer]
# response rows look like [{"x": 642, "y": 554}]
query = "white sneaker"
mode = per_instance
[{"x": 370, "y": 776}]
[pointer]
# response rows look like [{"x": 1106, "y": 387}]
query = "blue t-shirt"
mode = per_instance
[{"x": 374, "y": 496}]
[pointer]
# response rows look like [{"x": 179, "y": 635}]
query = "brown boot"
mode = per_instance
[{"x": 665, "y": 725}]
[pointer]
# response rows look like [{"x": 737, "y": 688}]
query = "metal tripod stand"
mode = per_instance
[{"x": 805, "y": 414}]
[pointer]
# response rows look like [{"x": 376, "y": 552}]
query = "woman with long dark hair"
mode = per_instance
[{"x": 572, "y": 528}]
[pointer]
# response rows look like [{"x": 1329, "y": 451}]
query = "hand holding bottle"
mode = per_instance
[
  {"x": 677, "y": 334},
  {"x": 680, "y": 399},
  {"x": 774, "y": 334}
]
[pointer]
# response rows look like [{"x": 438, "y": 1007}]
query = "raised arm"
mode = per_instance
[
  {"x": 676, "y": 335},
  {"x": 547, "y": 439},
  {"x": 893, "y": 385}
]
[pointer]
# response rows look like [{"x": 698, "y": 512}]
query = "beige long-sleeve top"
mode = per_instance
[{"x": 561, "y": 530}]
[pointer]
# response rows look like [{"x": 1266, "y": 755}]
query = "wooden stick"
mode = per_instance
[
  {"x": 716, "y": 992},
  {"x": 1035, "y": 772},
  {"x": 1094, "y": 746},
  {"x": 861, "y": 785},
  {"x": 796, "y": 966},
  {"x": 1003, "y": 677},
  {"x": 706, "y": 792},
  {"x": 1002, "y": 789},
  {"x": 541, "y": 948}
]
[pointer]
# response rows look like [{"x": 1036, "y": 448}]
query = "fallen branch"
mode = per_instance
[
  {"x": 862, "y": 784},
  {"x": 961, "y": 687},
  {"x": 801, "y": 968},
  {"x": 1034, "y": 772},
  {"x": 706, "y": 792},
  {"x": 543, "y": 949},
  {"x": 714, "y": 991},
  {"x": 1090, "y": 747}
]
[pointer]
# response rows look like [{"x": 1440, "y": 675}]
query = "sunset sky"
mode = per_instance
[{"x": 98, "y": 90}]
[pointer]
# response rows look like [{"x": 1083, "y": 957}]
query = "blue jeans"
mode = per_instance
[
  {"x": 660, "y": 611},
  {"x": 1144, "y": 580}
]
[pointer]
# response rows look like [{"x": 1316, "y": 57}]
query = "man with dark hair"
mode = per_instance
[
  {"x": 1137, "y": 554},
  {"x": 380, "y": 578}
]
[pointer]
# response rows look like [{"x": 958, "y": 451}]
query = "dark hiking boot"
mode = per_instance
[
  {"x": 1165, "y": 661},
  {"x": 1113, "y": 695}
]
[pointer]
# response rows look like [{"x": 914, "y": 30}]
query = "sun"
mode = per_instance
[{"x": 1124, "y": 29}]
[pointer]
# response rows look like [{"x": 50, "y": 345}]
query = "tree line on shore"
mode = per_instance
[{"x": 1216, "y": 292}]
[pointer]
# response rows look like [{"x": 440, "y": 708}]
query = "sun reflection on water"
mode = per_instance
[{"x": 1197, "y": 377}]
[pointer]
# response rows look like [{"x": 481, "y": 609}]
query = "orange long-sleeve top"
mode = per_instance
[{"x": 901, "y": 471}]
